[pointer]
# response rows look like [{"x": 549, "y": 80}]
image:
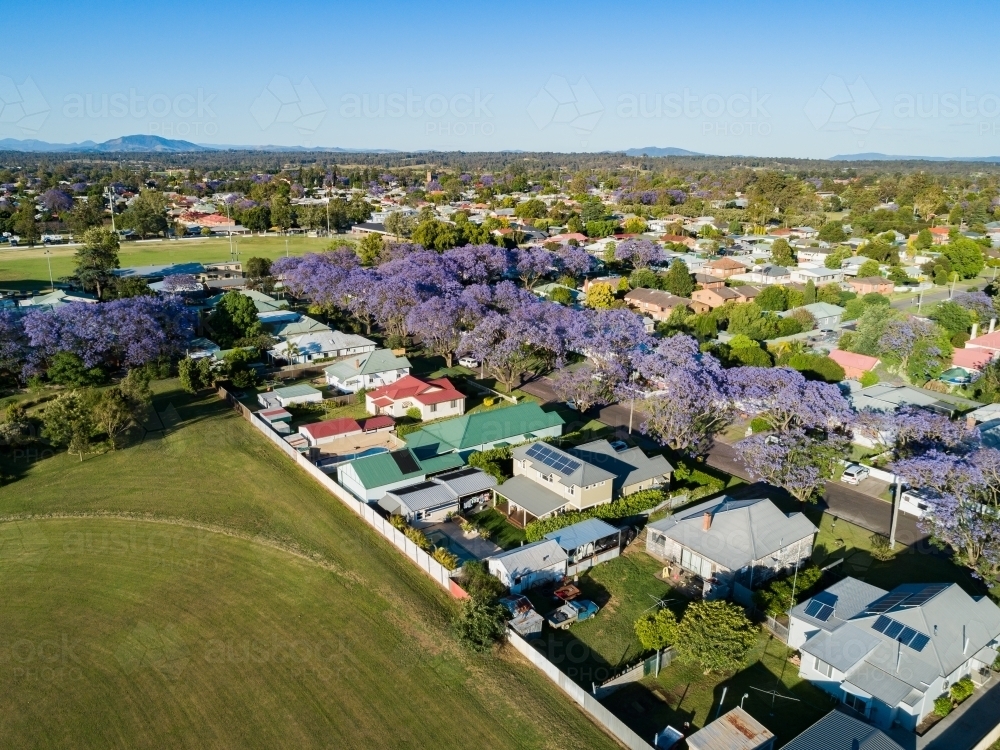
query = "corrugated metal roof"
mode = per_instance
[
  {"x": 734, "y": 730},
  {"x": 582, "y": 533},
  {"x": 461, "y": 433},
  {"x": 841, "y": 731},
  {"x": 467, "y": 481},
  {"x": 294, "y": 391},
  {"x": 380, "y": 470},
  {"x": 531, "y": 557},
  {"x": 629, "y": 466},
  {"x": 534, "y": 498}
]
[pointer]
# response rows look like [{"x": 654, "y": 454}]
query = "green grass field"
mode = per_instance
[
  {"x": 26, "y": 268},
  {"x": 198, "y": 590}
]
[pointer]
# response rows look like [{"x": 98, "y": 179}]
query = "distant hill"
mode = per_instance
[
  {"x": 875, "y": 156},
  {"x": 657, "y": 151},
  {"x": 133, "y": 144}
]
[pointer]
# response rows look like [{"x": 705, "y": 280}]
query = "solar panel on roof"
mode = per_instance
[
  {"x": 902, "y": 633},
  {"x": 918, "y": 643},
  {"x": 881, "y": 624},
  {"x": 405, "y": 462},
  {"x": 926, "y": 594},
  {"x": 552, "y": 459},
  {"x": 894, "y": 629},
  {"x": 906, "y": 636},
  {"x": 886, "y": 603},
  {"x": 819, "y": 610}
]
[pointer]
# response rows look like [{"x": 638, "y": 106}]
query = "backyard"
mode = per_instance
[{"x": 205, "y": 590}]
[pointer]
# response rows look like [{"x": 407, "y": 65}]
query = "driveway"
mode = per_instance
[{"x": 541, "y": 387}]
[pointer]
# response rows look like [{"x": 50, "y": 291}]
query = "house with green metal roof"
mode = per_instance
[
  {"x": 484, "y": 430},
  {"x": 367, "y": 370},
  {"x": 292, "y": 394},
  {"x": 369, "y": 478}
]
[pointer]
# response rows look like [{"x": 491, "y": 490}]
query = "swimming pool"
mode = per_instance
[{"x": 440, "y": 539}]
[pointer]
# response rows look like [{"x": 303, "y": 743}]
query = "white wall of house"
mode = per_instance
[
  {"x": 399, "y": 408},
  {"x": 312, "y": 398},
  {"x": 303, "y": 430},
  {"x": 534, "y": 578},
  {"x": 371, "y": 380},
  {"x": 348, "y": 478}
]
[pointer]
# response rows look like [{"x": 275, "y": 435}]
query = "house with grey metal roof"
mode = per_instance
[
  {"x": 889, "y": 658},
  {"x": 548, "y": 480},
  {"x": 633, "y": 469},
  {"x": 430, "y": 502},
  {"x": 308, "y": 347},
  {"x": 292, "y": 394},
  {"x": 532, "y": 565},
  {"x": 587, "y": 543},
  {"x": 839, "y": 730},
  {"x": 734, "y": 730},
  {"x": 732, "y": 546},
  {"x": 826, "y": 315},
  {"x": 369, "y": 370}
]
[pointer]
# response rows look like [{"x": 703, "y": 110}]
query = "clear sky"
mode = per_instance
[{"x": 788, "y": 78}]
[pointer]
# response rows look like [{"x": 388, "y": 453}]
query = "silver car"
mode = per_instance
[{"x": 854, "y": 473}]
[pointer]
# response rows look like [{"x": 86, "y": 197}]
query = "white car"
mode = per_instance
[
  {"x": 469, "y": 362},
  {"x": 854, "y": 474}
]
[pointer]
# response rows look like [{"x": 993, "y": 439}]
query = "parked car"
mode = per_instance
[
  {"x": 914, "y": 503},
  {"x": 854, "y": 474},
  {"x": 469, "y": 362}
]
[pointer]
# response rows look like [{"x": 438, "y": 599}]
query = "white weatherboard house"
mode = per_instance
[
  {"x": 308, "y": 347},
  {"x": 371, "y": 370},
  {"x": 292, "y": 394},
  {"x": 531, "y": 565},
  {"x": 889, "y": 655}
]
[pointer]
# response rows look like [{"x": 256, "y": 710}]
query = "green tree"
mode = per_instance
[
  {"x": 25, "y": 225},
  {"x": 480, "y": 624},
  {"x": 715, "y": 635},
  {"x": 952, "y": 317},
  {"x": 966, "y": 257},
  {"x": 15, "y": 428},
  {"x": 370, "y": 249},
  {"x": 85, "y": 214},
  {"x": 146, "y": 215},
  {"x": 869, "y": 268},
  {"x": 130, "y": 286},
  {"x": 657, "y": 630},
  {"x": 604, "y": 228},
  {"x": 257, "y": 269},
  {"x": 781, "y": 253},
  {"x": 600, "y": 296},
  {"x": 533, "y": 208},
  {"x": 257, "y": 218},
  {"x": 774, "y": 297},
  {"x": 195, "y": 374},
  {"x": 924, "y": 240},
  {"x": 561, "y": 295},
  {"x": 809, "y": 294},
  {"x": 234, "y": 318},
  {"x": 96, "y": 260},
  {"x": 835, "y": 260},
  {"x": 817, "y": 367},
  {"x": 832, "y": 232},
  {"x": 281, "y": 212},
  {"x": 643, "y": 278},
  {"x": 678, "y": 280},
  {"x": 68, "y": 421},
  {"x": 66, "y": 368}
]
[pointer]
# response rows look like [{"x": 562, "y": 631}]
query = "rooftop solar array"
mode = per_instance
[
  {"x": 819, "y": 610},
  {"x": 905, "y": 599},
  {"x": 902, "y": 633},
  {"x": 557, "y": 461}
]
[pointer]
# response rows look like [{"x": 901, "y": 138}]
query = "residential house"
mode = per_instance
[
  {"x": 708, "y": 282},
  {"x": 971, "y": 360},
  {"x": 292, "y": 394},
  {"x": 855, "y": 365},
  {"x": 433, "y": 398},
  {"x": 548, "y": 481},
  {"x": 587, "y": 543},
  {"x": 285, "y": 324},
  {"x": 765, "y": 275},
  {"x": 940, "y": 235},
  {"x": 888, "y": 397},
  {"x": 889, "y": 655},
  {"x": 816, "y": 255},
  {"x": 370, "y": 370},
  {"x": 819, "y": 275},
  {"x": 320, "y": 433},
  {"x": 532, "y": 565},
  {"x": 370, "y": 227},
  {"x": 869, "y": 284},
  {"x": 805, "y": 233},
  {"x": 678, "y": 239},
  {"x": 614, "y": 282},
  {"x": 723, "y": 268},
  {"x": 201, "y": 347},
  {"x": 481, "y": 431},
  {"x": 633, "y": 469},
  {"x": 432, "y": 501},
  {"x": 703, "y": 300},
  {"x": 309, "y": 347},
  {"x": 827, "y": 315},
  {"x": 655, "y": 303},
  {"x": 370, "y": 477},
  {"x": 988, "y": 341},
  {"x": 732, "y": 546},
  {"x": 734, "y": 730},
  {"x": 840, "y": 730}
]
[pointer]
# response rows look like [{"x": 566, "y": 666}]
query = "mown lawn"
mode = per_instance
[
  {"x": 297, "y": 627},
  {"x": 26, "y": 268}
]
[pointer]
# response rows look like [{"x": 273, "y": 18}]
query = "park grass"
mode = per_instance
[
  {"x": 180, "y": 629},
  {"x": 27, "y": 269}
]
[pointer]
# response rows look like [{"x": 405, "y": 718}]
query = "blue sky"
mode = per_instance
[{"x": 800, "y": 79}]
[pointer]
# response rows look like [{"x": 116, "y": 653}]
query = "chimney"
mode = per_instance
[
  {"x": 706, "y": 521},
  {"x": 975, "y": 330},
  {"x": 993, "y": 324}
]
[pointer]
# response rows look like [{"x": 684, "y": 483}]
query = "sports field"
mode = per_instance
[
  {"x": 27, "y": 268},
  {"x": 198, "y": 590}
]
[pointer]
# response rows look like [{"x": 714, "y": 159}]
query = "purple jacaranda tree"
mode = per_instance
[
  {"x": 57, "y": 201},
  {"x": 901, "y": 337},
  {"x": 180, "y": 282},
  {"x": 551, "y": 329},
  {"x": 78, "y": 328},
  {"x": 532, "y": 264},
  {"x": 438, "y": 324},
  {"x": 612, "y": 339},
  {"x": 502, "y": 345},
  {"x": 574, "y": 260},
  {"x": 963, "y": 511},
  {"x": 477, "y": 264},
  {"x": 978, "y": 302},
  {"x": 690, "y": 402},
  {"x": 508, "y": 296},
  {"x": 785, "y": 399},
  {"x": 583, "y": 386},
  {"x": 640, "y": 253},
  {"x": 797, "y": 461},
  {"x": 427, "y": 272},
  {"x": 361, "y": 301},
  {"x": 396, "y": 250},
  {"x": 322, "y": 277},
  {"x": 13, "y": 342}
]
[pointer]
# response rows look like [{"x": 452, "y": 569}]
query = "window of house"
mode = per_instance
[
  {"x": 856, "y": 702},
  {"x": 434, "y": 407},
  {"x": 823, "y": 668},
  {"x": 453, "y": 404}
]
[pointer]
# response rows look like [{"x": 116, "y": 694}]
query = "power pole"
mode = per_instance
[
  {"x": 895, "y": 512},
  {"x": 111, "y": 205},
  {"x": 48, "y": 259}
]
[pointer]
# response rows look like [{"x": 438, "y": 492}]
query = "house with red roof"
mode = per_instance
[
  {"x": 855, "y": 365},
  {"x": 973, "y": 360},
  {"x": 319, "y": 433},
  {"x": 940, "y": 235},
  {"x": 988, "y": 341},
  {"x": 434, "y": 398}
]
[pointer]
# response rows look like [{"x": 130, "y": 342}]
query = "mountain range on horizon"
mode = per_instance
[{"x": 154, "y": 144}]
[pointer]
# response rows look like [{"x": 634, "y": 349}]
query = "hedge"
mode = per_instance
[{"x": 621, "y": 508}]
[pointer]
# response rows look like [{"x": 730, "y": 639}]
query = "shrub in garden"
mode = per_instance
[{"x": 943, "y": 705}]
